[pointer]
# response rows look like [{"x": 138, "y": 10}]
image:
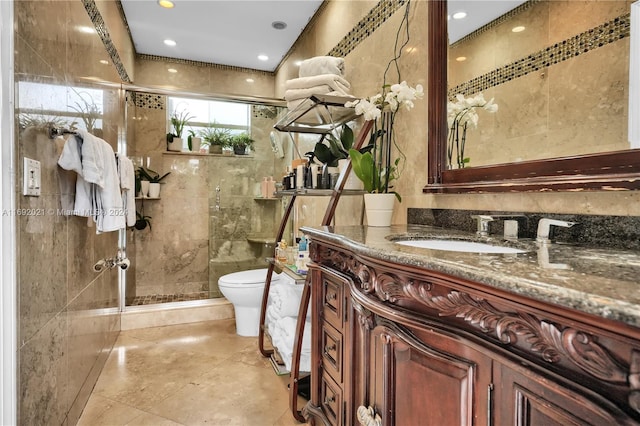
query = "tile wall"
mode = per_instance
[{"x": 68, "y": 316}]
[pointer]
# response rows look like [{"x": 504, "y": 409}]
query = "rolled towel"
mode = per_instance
[
  {"x": 321, "y": 65},
  {"x": 336, "y": 82}
]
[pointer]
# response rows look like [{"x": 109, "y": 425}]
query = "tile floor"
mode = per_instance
[{"x": 188, "y": 374}]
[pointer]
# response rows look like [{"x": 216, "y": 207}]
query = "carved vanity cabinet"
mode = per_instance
[{"x": 404, "y": 345}]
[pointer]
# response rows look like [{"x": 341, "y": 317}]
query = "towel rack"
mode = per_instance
[{"x": 54, "y": 132}]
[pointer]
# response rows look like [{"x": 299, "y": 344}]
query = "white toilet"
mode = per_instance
[{"x": 244, "y": 290}]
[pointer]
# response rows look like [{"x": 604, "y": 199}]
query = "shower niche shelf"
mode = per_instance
[{"x": 318, "y": 115}]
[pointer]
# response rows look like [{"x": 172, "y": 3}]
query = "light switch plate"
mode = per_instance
[{"x": 31, "y": 181}]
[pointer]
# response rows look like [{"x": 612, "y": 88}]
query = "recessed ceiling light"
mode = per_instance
[
  {"x": 172, "y": 70},
  {"x": 167, "y": 4},
  {"x": 249, "y": 80},
  {"x": 279, "y": 25},
  {"x": 85, "y": 29},
  {"x": 104, "y": 62},
  {"x": 263, "y": 57},
  {"x": 518, "y": 29},
  {"x": 461, "y": 58},
  {"x": 459, "y": 15},
  {"x": 169, "y": 42}
]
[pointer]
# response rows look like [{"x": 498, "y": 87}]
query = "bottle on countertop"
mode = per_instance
[{"x": 281, "y": 252}]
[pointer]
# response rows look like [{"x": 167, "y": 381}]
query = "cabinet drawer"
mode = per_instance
[
  {"x": 332, "y": 302},
  {"x": 331, "y": 400},
  {"x": 332, "y": 352}
]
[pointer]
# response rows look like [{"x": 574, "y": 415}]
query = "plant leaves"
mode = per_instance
[{"x": 347, "y": 137}]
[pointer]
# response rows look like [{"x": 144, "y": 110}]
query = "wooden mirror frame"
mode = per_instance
[{"x": 611, "y": 171}]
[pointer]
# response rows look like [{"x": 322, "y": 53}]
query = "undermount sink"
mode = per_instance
[{"x": 459, "y": 246}]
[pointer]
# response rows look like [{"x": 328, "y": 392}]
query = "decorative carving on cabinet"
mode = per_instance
[
  {"x": 365, "y": 316},
  {"x": 540, "y": 337}
]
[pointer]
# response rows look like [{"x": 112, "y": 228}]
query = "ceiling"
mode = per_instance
[
  {"x": 227, "y": 32},
  {"x": 235, "y": 32}
]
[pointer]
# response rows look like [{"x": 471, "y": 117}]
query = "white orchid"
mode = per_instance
[
  {"x": 375, "y": 168},
  {"x": 462, "y": 115}
]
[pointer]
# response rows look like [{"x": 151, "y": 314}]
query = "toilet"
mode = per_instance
[{"x": 244, "y": 290}]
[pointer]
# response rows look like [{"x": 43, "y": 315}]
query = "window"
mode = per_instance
[{"x": 233, "y": 116}]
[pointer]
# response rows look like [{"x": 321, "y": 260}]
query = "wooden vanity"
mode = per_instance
[{"x": 415, "y": 337}]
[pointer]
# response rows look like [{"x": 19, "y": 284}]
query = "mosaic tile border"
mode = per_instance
[
  {"x": 98, "y": 22},
  {"x": 594, "y": 38},
  {"x": 366, "y": 26},
  {"x": 146, "y": 100}
]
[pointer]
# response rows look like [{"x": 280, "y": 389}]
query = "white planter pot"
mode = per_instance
[
  {"x": 144, "y": 188},
  {"x": 154, "y": 190},
  {"x": 379, "y": 209},
  {"x": 352, "y": 181},
  {"x": 175, "y": 146},
  {"x": 195, "y": 144}
]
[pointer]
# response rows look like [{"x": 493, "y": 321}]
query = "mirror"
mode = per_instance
[{"x": 618, "y": 168}]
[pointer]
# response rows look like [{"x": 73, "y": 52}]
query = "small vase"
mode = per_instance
[
  {"x": 379, "y": 209},
  {"x": 154, "y": 190},
  {"x": 144, "y": 188}
]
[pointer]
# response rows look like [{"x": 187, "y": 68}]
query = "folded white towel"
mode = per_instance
[
  {"x": 311, "y": 116},
  {"x": 336, "y": 82},
  {"x": 294, "y": 94},
  {"x": 321, "y": 65}
]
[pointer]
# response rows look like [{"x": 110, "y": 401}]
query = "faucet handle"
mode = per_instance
[
  {"x": 483, "y": 224},
  {"x": 544, "y": 228}
]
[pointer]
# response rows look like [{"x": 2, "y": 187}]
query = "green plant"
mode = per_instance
[
  {"x": 242, "y": 139},
  {"x": 376, "y": 178},
  {"x": 88, "y": 110},
  {"x": 150, "y": 175},
  {"x": 178, "y": 119},
  {"x": 43, "y": 122},
  {"x": 338, "y": 149},
  {"x": 214, "y": 135},
  {"x": 142, "y": 221}
]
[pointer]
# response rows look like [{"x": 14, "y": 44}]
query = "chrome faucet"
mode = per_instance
[
  {"x": 511, "y": 226},
  {"x": 483, "y": 224},
  {"x": 544, "y": 227}
]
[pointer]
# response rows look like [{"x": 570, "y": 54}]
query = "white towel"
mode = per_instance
[
  {"x": 71, "y": 159},
  {"x": 128, "y": 185},
  {"x": 284, "y": 340},
  {"x": 295, "y": 94},
  {"x": 110, "y": 215},
  {"x": 334, "y": 81},
  {"x": 321, "y": 65},
  {"x": 97, "y": 184}
]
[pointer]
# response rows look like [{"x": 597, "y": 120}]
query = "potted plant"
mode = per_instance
[
  {"x": 241, "y": 142},
  {"x": 142, "y": 221},
  {"x": 153, "y": 178},
  {"x": 376, "y": 168},
  {"x": 215, "y": 137},
  {"x": 88, "y": 110},
  {"x": 194, "y": 142},
  {"x": 178, "y": 119},
  {"x": 336, "y": 154}
]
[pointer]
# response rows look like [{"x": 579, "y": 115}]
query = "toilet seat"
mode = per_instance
[{"x": 250, "y": 278}]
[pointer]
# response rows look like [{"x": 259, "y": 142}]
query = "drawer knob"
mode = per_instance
[
  {"x": 329, "y": 399},
  {"x": 367, "y": 416},
  {"x": 330, "y": 348},
  {"x": 332, "y": 296}
]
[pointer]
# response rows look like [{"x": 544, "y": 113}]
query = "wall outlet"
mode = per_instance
[{"x": 31, "y": 181}]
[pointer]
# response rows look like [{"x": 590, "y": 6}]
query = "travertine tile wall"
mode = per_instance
[{"x": 68, "y": 316}]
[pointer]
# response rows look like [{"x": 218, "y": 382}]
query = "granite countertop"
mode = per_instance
[{"x": 599, "y": 281}]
